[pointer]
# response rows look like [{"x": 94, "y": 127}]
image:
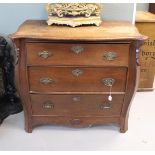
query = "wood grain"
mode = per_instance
[
  {"x": 92, "y": 54},
  {"x": 64, "y": 81},
  {"x": 109, "y": 30},
  {"x": 144, "y": 16},
  {"x": 66, "y": 105}
]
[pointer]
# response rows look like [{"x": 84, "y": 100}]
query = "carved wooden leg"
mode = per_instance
[
  {"x": 28, "y": 123},
  {"x": 124, "y": 124},
  {"x": 28, "y": 126}
]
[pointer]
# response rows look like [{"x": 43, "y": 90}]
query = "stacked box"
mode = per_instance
[{"x": 145, "y": 22}]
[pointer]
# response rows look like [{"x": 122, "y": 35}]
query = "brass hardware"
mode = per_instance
[
  {"x": 77, "y": 72},
  {"x": 105, "y": 106},
  {"x": 48, "y": 105},
  {"x": 108, "y": 81},
  {"x": 75, "y": 121},
  {"x": 77, "y": 49},
  {"x": 110, "y": 55},
  {"x": 46, "y": 81},
  {"x": 76, "y": 98},
  {"x": 44, "y": 54}
]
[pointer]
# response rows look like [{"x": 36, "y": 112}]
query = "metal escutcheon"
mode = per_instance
[
  {"x": 76, "y": 121},
  {"x": 76, "y": 98},
  {"x": 46, "y": 81},
  {"x": 105, "y": 106},
  {"x": 77, "y": 72},
  {"x": 48, "y": 105},
  {"x": 44, "y": 54},
  {"x": 108, "y": 81},
  {"x": 77, "y": 49},
  {"x": 110, "y": 56}
]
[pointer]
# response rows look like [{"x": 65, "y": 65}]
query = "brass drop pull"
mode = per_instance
[
  {"x": 75, "y": 121},
  {"x": 109, "y": 82},
  {"x": 77, "y": 49},
  {"x": 44, "y": 54},
  {"x": 110, "y": 56},
  {"x": 76, "y": 98},
  {"x": 105, "y": 106},
  {"x": 77, "y": 72},
  {"x": 46, "y": 81},
  {"x": 48, "y": 105}
]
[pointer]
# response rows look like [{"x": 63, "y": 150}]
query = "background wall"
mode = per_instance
[
  {"x": 118, "y": 11},
  {"x": 12, "y": 15},
  {"x": 142, "y": 6}
]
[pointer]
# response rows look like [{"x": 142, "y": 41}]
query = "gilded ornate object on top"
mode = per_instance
[{"x": 74, "y": 14}]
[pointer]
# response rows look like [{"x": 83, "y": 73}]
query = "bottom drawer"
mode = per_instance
[
  {"x": 74, "y": 121},
  {"x": 76, "y": 105}
]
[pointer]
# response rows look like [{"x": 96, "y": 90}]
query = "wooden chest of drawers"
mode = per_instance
[{"x": 66, "y": 75}]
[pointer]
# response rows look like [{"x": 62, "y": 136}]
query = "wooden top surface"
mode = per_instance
[
  {"x": 109, "y": 30},
  {"x": 144, "y": 16}
]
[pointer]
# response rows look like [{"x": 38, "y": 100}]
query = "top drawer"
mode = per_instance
[{"x": 77, "y": 54}]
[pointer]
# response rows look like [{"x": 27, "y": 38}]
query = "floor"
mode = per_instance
[{"x": 140, "y": 136}]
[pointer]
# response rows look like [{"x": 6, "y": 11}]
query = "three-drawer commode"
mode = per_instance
[{"x": 77, "y": 77}]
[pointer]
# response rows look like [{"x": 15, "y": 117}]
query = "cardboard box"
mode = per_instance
[{"x": 145, "y": 22}]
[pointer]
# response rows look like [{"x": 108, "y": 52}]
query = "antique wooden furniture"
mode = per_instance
[
  {"x": 76, "y": 76},
  {"x": 145, "y": 22},
  {"x": 9, "y": 102}
]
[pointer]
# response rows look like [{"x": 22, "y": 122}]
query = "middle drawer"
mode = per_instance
[{"x": 74, "y": 79}]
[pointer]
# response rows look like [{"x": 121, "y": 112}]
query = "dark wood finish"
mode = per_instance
[
  {"x": 76, "y": 105},
  {"x": 152, "y": 8},
  {"x": 64, "y": 81},
  {"x": 71, "y": 121},
  {"x": 53, "y": 104},
  {"x": 92, "y": 54}
]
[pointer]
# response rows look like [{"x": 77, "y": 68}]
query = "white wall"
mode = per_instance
[
  {"x": 118, "y": 11},
  {"x": 142, "y": 6}
]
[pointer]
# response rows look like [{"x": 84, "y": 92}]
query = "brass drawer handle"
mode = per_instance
[
  {"x": 105, "y": 106},
  {"x": 77, "y": 49},
  {"x": 108, "y": 82},
  {"x": 46, "y": 81},
  {"x": 77, "y": 72},
  {"x": 76, "y": 98},
  {"x": 75, "y": 121},
  {"x": 48, "y": 105},
  {"x": 44, "y": 54},
  {"x": 110, "y": 56}
]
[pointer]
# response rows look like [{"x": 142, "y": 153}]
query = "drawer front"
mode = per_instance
[
  {"x": 84, "y": 79},
  {"x": 76, "y": 105},
  {"x": 77, "y": 54}
]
